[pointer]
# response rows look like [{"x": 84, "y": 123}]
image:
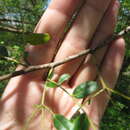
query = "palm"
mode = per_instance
[{"x": 59, "y": 101}]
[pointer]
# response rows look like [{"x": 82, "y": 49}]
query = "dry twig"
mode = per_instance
[{"x": 108, "y": 41}]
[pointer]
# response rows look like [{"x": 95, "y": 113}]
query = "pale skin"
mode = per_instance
[{"x": 96, "y": 21}]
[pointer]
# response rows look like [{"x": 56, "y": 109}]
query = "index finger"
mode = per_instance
[{"x": 53, "y": 22}]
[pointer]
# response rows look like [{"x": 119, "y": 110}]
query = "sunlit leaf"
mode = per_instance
[
  {"x": 36, "y": 38},
  {"x": 85, "y": 89},
  {"x": 51, "y": 84},
  {"x": 61, "y": 123},
  {"x": 26, "y": 37},
  {"x": 63, "y": 78},
  {"x": 80, "y": 122}
]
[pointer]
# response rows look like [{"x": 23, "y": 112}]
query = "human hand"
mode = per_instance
[{"x": 96, "y": 21}]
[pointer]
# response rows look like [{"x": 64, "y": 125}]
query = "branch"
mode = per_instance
[
  {"x": 108, "y": 41},
  {"x": 10, "y": 29},
  {"x": 13, "y": 20},
  {"x": 13, "y": 30},
  {"x": 13, "y": 60},
  {"x": 126, "y": 73}
]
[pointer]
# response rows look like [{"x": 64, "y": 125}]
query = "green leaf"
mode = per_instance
[
  {"x": 63, "y": 78},
  {"x": 26, "y": 37},
  {"x": 61, "y": 123},
  {"x": 85, "y": 89},
  {"x": 51, "y": 84},
  {"x": 3, "y": 51},
  {"x": 36, "y": 38},
  {"x": 80, "y": 122}
]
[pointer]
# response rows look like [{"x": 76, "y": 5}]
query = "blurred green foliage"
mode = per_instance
[
  {"x": 24, "y": 14},
  {"x": 17, "y": 15}
]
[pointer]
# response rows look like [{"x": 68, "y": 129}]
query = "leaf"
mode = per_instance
[
  {"x": 3, "y": 51},
  {"x": 85, "y": 89},
  {"x": 61, "y": 123},
  {"x": 26, "y": 37},
  {"x": 51, "y": 84},
  {"x": 36, "y": 38},
  {"x": 80, "y": 122},
  {"x": 63, "y": 78}
]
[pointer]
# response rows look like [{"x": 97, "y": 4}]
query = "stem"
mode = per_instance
[
  {"x": 48, "y": 109},
  {"x": 30, "y": 118},
  {"x": 92, "y": 124},
  {"x": 13, "y": 60},
  {"x": 65, "y": 91},
  {"x": 42, "y": 104},
  {"x": 105, "y": 86},
  {"x": 91, "y": 96},
  {"x": 75, "y": 102}
]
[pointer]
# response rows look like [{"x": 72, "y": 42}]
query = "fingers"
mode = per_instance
[
  {"x": 80, "y": 35},
  {"x": 20, "y": 90},
  {"x": 87, "y": 70},
  {"x": 53, "y": 22},
  {"x": 110, "y": 71}
]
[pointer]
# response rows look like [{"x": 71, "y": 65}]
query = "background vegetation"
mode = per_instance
[{"x": 22, "y": 15}]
